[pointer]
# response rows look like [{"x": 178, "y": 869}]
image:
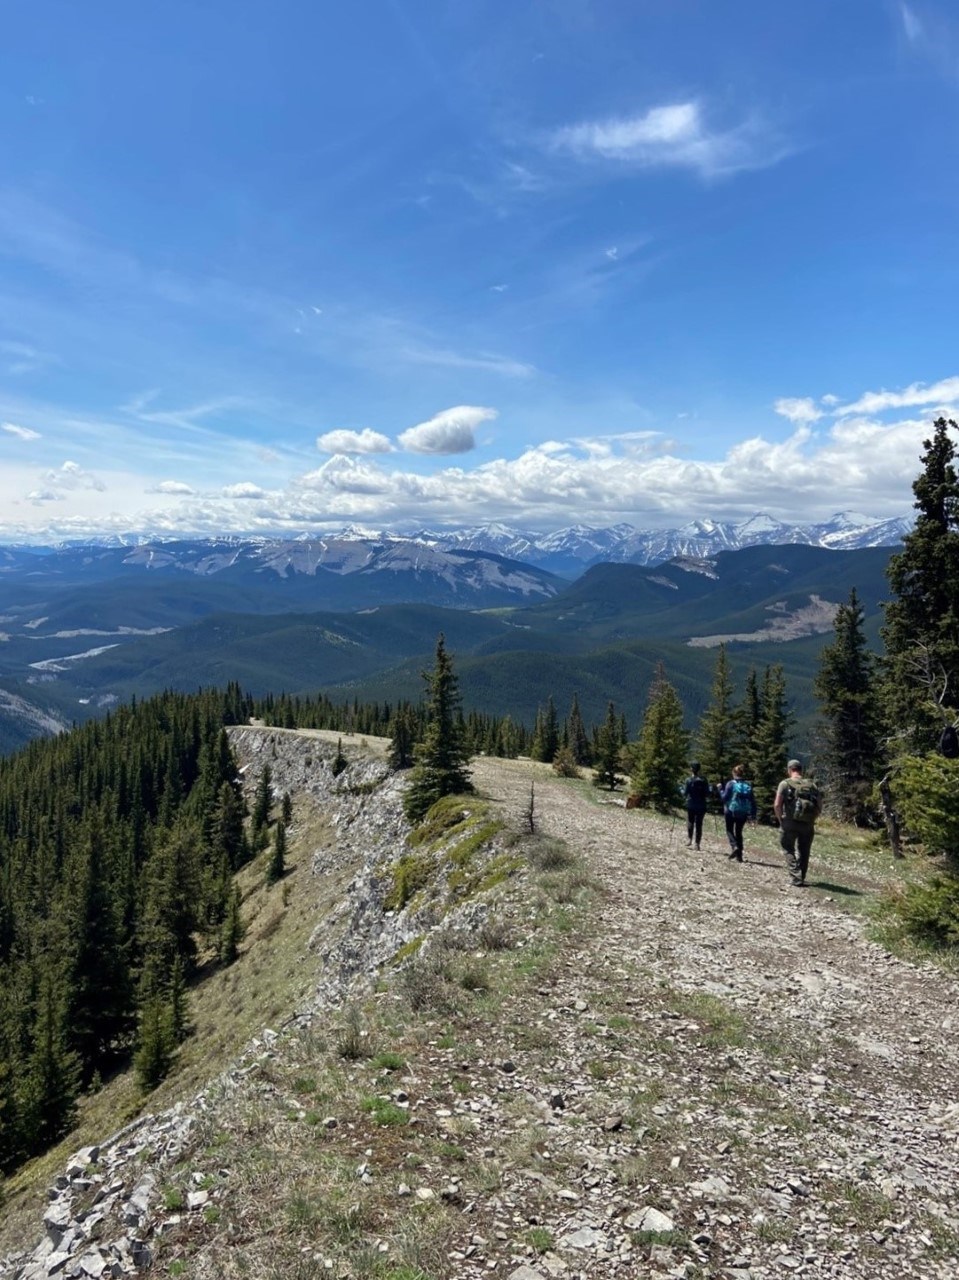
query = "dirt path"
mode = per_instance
[{"x": 862, "y": 1046}]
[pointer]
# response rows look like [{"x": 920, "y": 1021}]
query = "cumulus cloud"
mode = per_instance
[
  {"x": 448, "y": 432},
  {"x": 798, "y": 409},
  {"x": 38, "y": 496},
  {"x": 175, "y": 487},
  {"x": 22, "y": 433},
  {"x": 244, "y": 490},
  {"x": 72, "y": 476},
  {"x": 346, "y": 475},
  {"x": 674, "y": 135},
  {"x": 365, "y": 441},
  {"x": 943, "y": 393}
]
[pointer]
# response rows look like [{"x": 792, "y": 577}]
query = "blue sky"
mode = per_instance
[{"x": 289, "y": 265}]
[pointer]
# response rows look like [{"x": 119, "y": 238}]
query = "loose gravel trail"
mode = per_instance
[{"x": 865, "y": 1046}]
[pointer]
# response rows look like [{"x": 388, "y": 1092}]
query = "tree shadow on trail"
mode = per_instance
[{"x": 844, "y": 889}]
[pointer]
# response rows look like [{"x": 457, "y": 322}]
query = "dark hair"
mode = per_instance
[
  {"x": 738, "y": 771},
  {"x": 694, "y": 765}
]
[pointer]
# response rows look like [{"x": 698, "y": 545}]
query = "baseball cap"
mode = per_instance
[{"x": 794, "y": 764}]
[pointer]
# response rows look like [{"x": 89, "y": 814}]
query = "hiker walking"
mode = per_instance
[
  {"x": 695, "y": 796},
  {"x": 739, "y": 807},
  {"x": 797, "y": 806}
]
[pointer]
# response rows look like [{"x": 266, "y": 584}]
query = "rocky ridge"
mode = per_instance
[{"x": 705, "y": 1074}]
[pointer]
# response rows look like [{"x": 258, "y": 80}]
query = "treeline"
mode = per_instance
[{"x": 118, "y": 845}]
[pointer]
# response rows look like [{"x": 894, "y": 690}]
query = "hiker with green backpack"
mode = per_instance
[
  {"x": 797, "y": 806},
  {"x": 739, "y": 807}
]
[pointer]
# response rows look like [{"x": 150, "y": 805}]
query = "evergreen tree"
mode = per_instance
[
  {"x": 746, "y": 721},
  {"x": 608, "y": 747},
  {"x": 546, "y": 738},
  {"x": 401, "y": 754},
  {"x": 263, "y": 799},
  {"x": 921, "y": 631},
  {"x": 769, "y": 752},
  {"x": 339, "y": 763},
  {"x": 231, "y": 931},
  {"x": 442, "y": 760},
  {"x": 847, "y": 763},
  {"x": 276, "y": 867},
  {"x": 52, "y": 1078},
  {"x": 717, "y": 728},
  {"x": 578, "y": 740},
  {"x": 660, "y": 753},
  {"x": 156, "y": 1042}
]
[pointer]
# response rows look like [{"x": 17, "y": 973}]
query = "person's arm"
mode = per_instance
[{"x": 778, "y": 803}]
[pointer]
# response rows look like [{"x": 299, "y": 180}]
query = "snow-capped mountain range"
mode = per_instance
[
  {"x": 566, "y": 552},
  {"x": 571, "y": 551}
]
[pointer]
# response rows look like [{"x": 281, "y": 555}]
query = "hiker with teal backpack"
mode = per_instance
[
  {"x": 797, "y": 806},
  {"x": 739, "y": 807}
]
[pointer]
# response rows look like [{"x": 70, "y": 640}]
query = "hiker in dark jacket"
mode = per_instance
[
  {"x": 739, "y": 807},
  {"x": 695, "y": 795}
]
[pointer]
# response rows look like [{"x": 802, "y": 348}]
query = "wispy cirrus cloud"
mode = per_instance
[
  {"x": 484, "y": 361},
  {"x": 677, "y": 136},
  {"x": 344, "y": 441},
  {"x": 932, "y": 36},
  {"x": 448, "y": 432},
  {"x": 943, "y": 394},
  {"x": 22, "y": 433}
]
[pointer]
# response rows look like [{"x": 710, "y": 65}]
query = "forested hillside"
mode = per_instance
[{"x": 118, "y": 844}]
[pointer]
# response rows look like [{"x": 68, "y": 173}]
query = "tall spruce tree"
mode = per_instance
[
  {"x": 606, "y": 757},
  {"x": 769, "y": 752},
  {"x": 442, "y": 759},
  {"x": 716, "y": 740},
  {"x": 920, "y": 671},
  {"x": 660, "y": 753},
  {"x": 546, "y": 737},
  {"x": 746, "y": 724},
  {"x": 845, "y": 685},
  {"x": 401, "y": 753},
  {"x": 577, "y": 737}
]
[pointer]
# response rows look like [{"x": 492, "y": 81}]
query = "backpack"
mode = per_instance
[
  {"x": 697, "y": 793},
  {"x": 741, "y": 800},
  {"x": 949, "y": 743},
  {"x": 801, "y": 801}
]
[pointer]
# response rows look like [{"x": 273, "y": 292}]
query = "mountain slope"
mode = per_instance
[{"x": 585, "y": 1071}]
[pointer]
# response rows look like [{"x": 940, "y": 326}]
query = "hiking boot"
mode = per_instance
[
  {"x": 689, "y": 842},
  {"x": 697, "y": 848}
]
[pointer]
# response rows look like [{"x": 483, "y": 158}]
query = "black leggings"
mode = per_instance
[
  {"x": 694, "y": 825},
  {"x": 734, "y": 830}
]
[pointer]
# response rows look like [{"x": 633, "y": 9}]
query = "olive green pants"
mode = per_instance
[{"x": 795, "y": 838}]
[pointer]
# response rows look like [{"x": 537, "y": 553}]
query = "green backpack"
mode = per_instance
[{"x": 802, "y": 801}]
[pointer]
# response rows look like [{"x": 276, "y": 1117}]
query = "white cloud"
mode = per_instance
[
  {"x": 851, "y": 461},
  {"x": 943, "y": 393},
  {"x": 365, "y": 441},
  {"x": 342, "y": 475},
  {"x": 829, "y": 400},
  {"x": 174, "y": 487},
  {"x": 244, "y": 490},
  {"x": 448, "y": 432},
  {"x": 673, "y": 135},
  {"x": 800, "y": 409},
  {"x": 72, "y": 476},
  {"x": 22, "y": 433},
  {"x": 911, "y": 24},
  {"x": 612, "y": 253}
]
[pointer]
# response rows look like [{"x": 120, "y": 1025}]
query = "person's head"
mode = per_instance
[
  {"x": 694, "y": 766},
  {"x": 738, "y": 771},
  {"x": 794, "y": 766}
]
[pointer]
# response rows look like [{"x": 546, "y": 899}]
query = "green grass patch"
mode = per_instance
[{"x": 384, "y": 1112}]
